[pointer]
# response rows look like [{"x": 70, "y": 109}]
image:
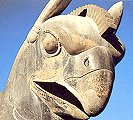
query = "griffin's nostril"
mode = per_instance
[{"x": 86, "y": 61}]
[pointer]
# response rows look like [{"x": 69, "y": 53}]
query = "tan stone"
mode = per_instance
[{"x": 65, "y": 68}]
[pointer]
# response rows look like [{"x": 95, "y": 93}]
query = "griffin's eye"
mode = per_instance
[{"x": 50, "y": 45}]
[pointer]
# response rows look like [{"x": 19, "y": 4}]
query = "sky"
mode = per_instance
[{"x": 17, "y": 18}]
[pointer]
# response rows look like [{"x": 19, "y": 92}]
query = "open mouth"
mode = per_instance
[
  {"x": 60, "y": 91},
  {"x": 64, "y": 102}
]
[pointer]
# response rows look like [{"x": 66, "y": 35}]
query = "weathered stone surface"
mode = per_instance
[{"x": 65, "y": 68}]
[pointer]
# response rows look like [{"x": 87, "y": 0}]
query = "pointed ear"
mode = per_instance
[{"x": 116, "y": 12}]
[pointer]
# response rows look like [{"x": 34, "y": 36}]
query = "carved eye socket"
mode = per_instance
[{"x": 50, "y": 46}]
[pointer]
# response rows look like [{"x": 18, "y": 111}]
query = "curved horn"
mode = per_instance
[
  {"x": 53, "y": 8},
  {"x": 116, "y": 12}
]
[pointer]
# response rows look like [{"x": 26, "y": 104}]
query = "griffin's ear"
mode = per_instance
[{"x": 116, "y": 12}]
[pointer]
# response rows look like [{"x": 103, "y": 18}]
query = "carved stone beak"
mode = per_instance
[
  {"x": 92, "y": 78},
  {"x": 82, "y": 91},
  {"x": 94, "y": 90}
]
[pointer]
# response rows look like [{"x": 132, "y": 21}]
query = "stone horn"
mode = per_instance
[{"x": 53, "y": 8}]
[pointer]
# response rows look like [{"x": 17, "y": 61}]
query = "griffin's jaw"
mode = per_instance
[{"x": 80, "y": 100}]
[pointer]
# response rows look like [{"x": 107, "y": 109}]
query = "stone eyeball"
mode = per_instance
[{"x": 50, "y": 45}]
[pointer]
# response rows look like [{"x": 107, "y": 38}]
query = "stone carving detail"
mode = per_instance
[{"x": 65, "y": 68}]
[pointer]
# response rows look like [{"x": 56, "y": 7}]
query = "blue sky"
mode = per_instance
[{"x": 18, "y": 16}]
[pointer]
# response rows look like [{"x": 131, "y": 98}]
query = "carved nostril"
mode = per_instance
[{"x": 86, "y": 61}]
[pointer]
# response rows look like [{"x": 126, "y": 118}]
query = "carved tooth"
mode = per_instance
[{"x": 116, "y": 12}]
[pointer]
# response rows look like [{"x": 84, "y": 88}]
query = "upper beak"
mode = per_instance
[{"x": 93, "y": 91}]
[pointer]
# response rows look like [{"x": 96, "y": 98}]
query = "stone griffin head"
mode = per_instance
[{"x": 67, "y": 63}]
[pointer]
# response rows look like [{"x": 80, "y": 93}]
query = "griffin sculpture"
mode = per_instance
[{"x": 65, "y": 67}]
